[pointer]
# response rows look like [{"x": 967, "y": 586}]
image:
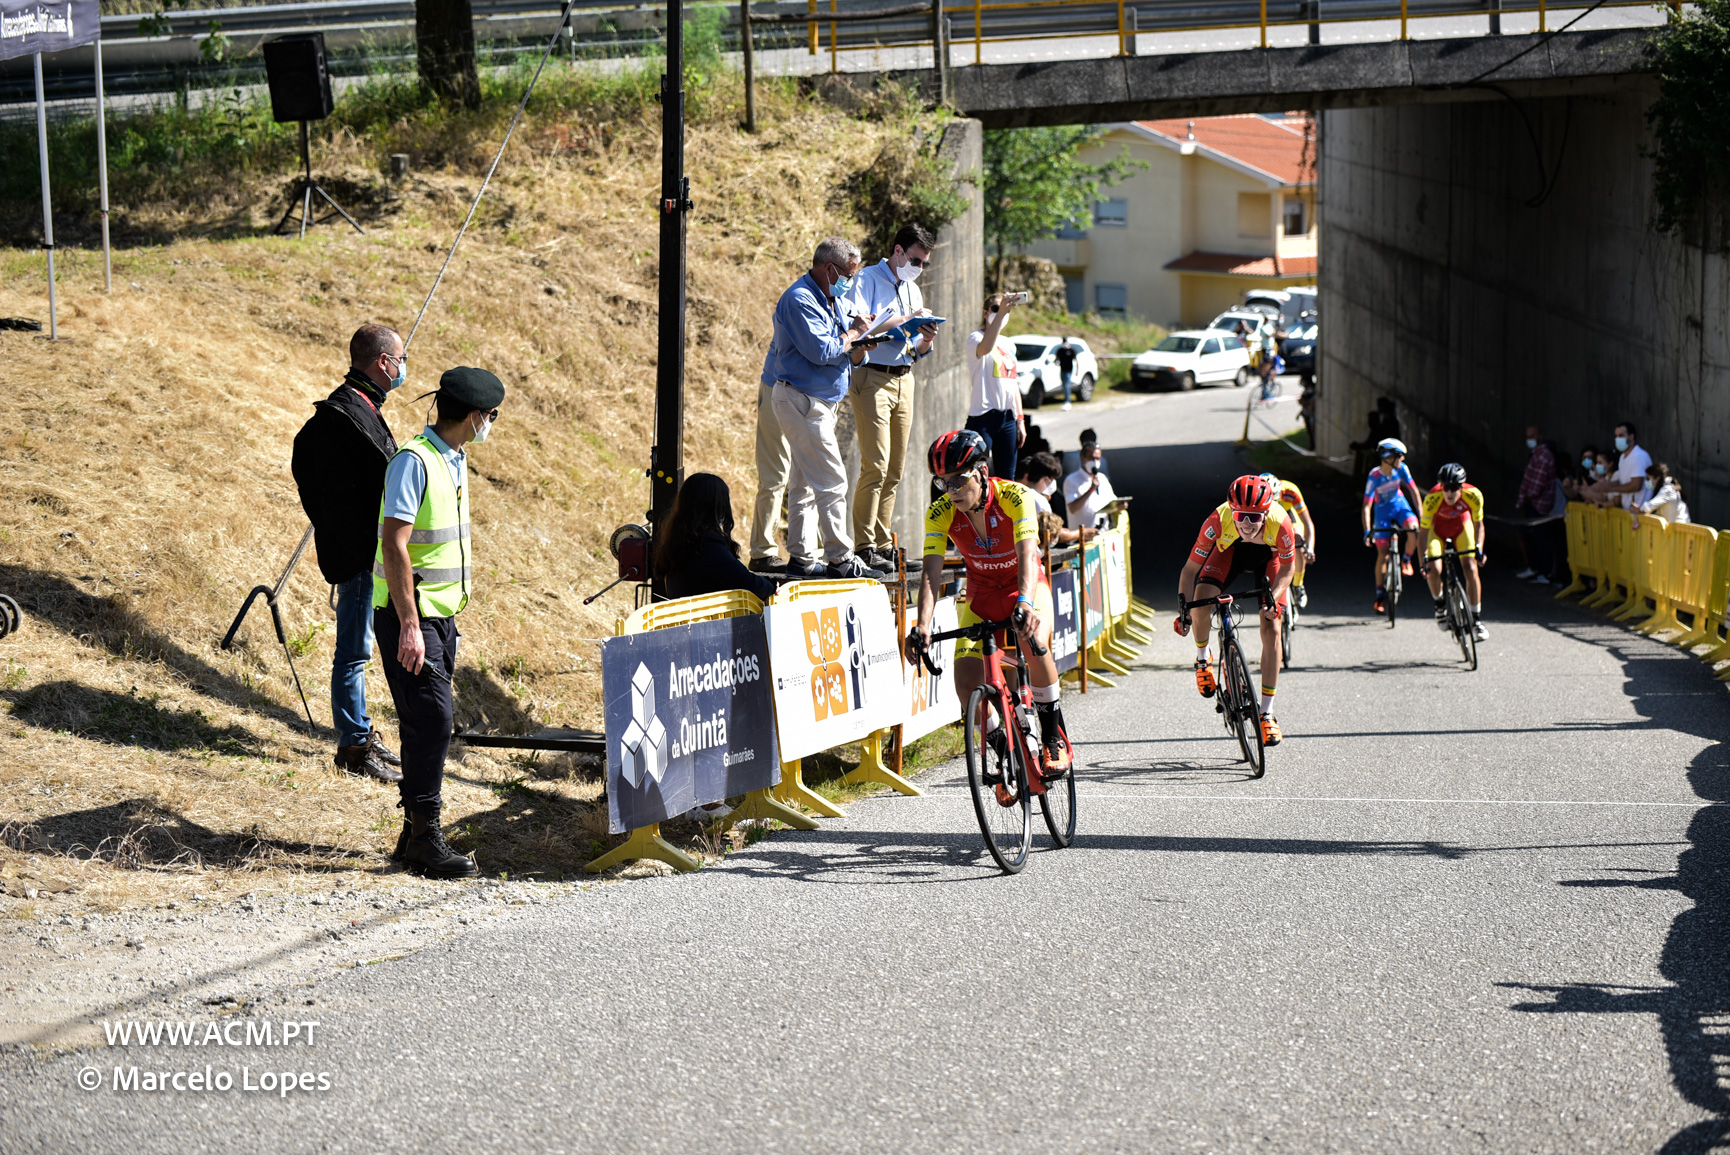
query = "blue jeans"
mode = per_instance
[
  {"x": 353, "y": 652},
  {"x": 999, "y": 428},
  {"x": 1067, "y": 374}
]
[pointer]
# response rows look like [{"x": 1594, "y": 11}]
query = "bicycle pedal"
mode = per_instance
[
  {"x": 1004, "y": 798},
  {"x": 1219, "y": 707}
]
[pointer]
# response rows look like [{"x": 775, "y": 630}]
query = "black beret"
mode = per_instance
[{"x": 473, "y": 387}]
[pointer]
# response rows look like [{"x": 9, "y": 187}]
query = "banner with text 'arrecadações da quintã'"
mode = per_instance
[
  {"x": 689, "y": 717},
  {"x": 28, "y": 26}
]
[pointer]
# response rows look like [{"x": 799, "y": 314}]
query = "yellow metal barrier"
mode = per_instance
[
  {"x": 1585, "y": 534},
  {"x": 1646, "y": 545},
  {"x": 1688, "y": 574},
  {"x": 1616, "y": 541},
  {"x": 1718, "y": 603}
]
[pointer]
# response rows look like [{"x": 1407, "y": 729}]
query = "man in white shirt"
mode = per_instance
[
  {"x": 881, "y": 390},
  {"x": 1088, "y": 490},
  {"x": 994, "y": 409},
  {"x": 1629, "y": 480}
]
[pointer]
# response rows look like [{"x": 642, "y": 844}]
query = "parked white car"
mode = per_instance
[
  {"x": 1190, "y": 358},
  {"x": 1036, "y": 361}
]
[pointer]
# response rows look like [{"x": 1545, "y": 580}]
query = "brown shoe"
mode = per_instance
[
  {"x": 361, "y": 760},
  {"x": 375, "y": 743}
]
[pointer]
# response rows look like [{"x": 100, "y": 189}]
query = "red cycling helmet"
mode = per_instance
[
  {"x": 956, "y": 452},
  {"x": 1250, "y": 494}
]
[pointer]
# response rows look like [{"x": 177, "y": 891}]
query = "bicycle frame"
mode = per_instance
[{"x": 1009, "y": 700}]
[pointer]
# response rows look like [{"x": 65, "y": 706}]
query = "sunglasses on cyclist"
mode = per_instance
[
  {"x": 951, "y": 482},
  {"x": 1249, "y": 519}
]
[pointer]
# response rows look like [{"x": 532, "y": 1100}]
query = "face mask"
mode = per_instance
[
  {"x": 909, "y": 272},
  {"x": 842, "y": 286},
  {"x": 1046, "y": 487},
  {"x": 486, "y": 428},
  {"x": 1586, "y": 463},
  {"x": 1601, "y": 470},
  {"x": 401, "y": 375},
  {"x": 1531, "y": 443},
  {"x": 1621, "y": 445}
]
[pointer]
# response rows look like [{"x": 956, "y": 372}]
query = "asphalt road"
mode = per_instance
[{"x": 1462, "y": 912}]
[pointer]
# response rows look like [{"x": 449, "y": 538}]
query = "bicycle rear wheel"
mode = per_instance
[
  {"x": 1285, "y": 625},
  {"x": 1008, "y": 830},
  {"x": 1391, "y": 579},
  {"x": 1057, "y": 804},
  {"x": 1460, "y": 617},
  {"x": 1245, "y": 703}
]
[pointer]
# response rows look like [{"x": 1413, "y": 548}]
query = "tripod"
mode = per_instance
[{"x": 303, "y": 194}]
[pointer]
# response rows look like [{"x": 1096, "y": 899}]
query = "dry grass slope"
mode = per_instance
[{"x": 144, "y": 487}]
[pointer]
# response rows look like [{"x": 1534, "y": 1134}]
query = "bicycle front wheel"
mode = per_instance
[
  {"x": 1285, "y": 624},
  {"x": 1247, "y": 705},
  {"x": 1057, "y": 804},
  {"x": 1460, "y": 617},
  {"x": 997, "y": 782},
  {"x": 1391, "y": 582}
]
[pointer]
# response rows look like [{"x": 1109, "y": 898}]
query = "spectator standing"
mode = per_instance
[
  {"x": 810, "y": 358},
  {"x": 1628, "y": 482},
  {"x": 994, "y": 412},
  {"x": 882, "y": 390},
  {"x": 1088, "y": 490},
  {"x": 1576, "y": 479},
  {"x": 695, "y": 553},
  {"x": 1307, "y": 408},
  {"x": 339, "y": 461},
  {"x": 1384, "y": 423},
  {"x": 422, "y": 571},
  {"x": 1538, "y": 497},
  {"x": 1666, "y": 495},
  {"x": 1065, "y": 355},
  {"x": 772, "y": 464}
]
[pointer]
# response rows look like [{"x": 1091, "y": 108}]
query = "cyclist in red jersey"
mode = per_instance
[
  {"x": 994, "y": 526},
  {"x": 1247, "y": 533}
]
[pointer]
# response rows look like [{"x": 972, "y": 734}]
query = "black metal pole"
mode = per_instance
[
  {"x": 667, "y": 458},
  {"x": 750, "y": 66}
]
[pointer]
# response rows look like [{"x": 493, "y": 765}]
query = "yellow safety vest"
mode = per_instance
[{"x": 438, "y": 545}]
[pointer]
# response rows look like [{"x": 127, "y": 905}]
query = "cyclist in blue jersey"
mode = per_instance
[{"x": 1391, "y": 504}]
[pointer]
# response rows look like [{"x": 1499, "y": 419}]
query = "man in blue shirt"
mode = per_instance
[
  {"x": 882, "y": 390},
  {"x": 810, "y": 355}
]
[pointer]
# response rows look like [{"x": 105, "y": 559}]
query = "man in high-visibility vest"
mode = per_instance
[{"x": 421, "y": 581}]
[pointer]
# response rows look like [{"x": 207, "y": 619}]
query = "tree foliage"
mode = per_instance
[
  {"x": 1691, "y": 123},
  {"x": 1034, "y": 185}
]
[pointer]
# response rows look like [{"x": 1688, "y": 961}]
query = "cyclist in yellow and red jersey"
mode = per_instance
[
  {"x": 995, "y": 528},
  {"x": 1248, "y": 533},
  {"x": 1291, "y": 499},
  {"x": 1454, "y": 511}
]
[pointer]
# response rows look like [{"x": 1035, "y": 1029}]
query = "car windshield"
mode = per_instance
[
  {"x": 1177, "y": 345},
  {"x": 1228, "y": 321},
  {"x": 1028, "y": 351}
]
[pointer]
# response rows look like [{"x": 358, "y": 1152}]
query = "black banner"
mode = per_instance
[
  {"x": 28, "y": 26},
  {"x": 689, "y": 718},
  {"x": 1066, "y": 630}
]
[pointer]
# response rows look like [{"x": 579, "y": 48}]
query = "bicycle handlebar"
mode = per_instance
[{"x": 978, "y": 632}]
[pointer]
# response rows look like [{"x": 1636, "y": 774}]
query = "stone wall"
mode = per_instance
[{"x": 1451, "y": 283}]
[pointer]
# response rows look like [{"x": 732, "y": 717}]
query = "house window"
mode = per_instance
[
  {"x": 1254, "y": 214},
  {"x": 1111, "y": 300},
  {"x": 1112, "y": 213},
  {"x": 1075, "y": 294},
  {"x": 1071, "y": 232},
  {"x": 1295, "y": 224}
]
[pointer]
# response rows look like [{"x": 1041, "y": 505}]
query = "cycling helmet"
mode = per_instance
[
  {"x": 1270, "y": 479},
  {"x": 1250, "y": 494},
  {"x": 1388, "y": 446},
  {"x": 1451, "y": 476},
  {"x": 956, "y": 452}
]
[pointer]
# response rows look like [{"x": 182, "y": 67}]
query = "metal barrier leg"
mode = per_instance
[
  {"x": 1605, "y": 592},
  {"x": 1577, "y": 586},
  {"x": 759, "y": 805},
  {"x": 644, "y": 842},
  {"x": 1634, "y": 607},
  {"x": 873, "y": 771},
  {"x": 1099, "y": 659},
  {"x": 1663, "y": 621},
  {"x": 793, "y": 791},
  {"x": 1694, "y": 636}
]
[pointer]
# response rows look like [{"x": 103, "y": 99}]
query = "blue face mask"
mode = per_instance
[
  {"x": 401, "y": 373},
  {"x": 841, "y": 287},
  {"x": 1621, "y": 445},
  {"x": 1586, "y": 463},
  {"x": 1531, "y": 443}
]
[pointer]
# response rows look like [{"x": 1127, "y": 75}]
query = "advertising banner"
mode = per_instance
[
  {"x": 1093, "y": 582},
  {"x": 31, "y": 27},
  {"x": 930, "y": 701},
  {"x": 690, "y": 719},
  {"x": 1116, "y": 573},
  {"x": 837, "y": 670},
  {"x": 1066, "y": 630}
]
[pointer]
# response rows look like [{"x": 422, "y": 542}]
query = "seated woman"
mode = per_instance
[{"x": 695, "y": 553}]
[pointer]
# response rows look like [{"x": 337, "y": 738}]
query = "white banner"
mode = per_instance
[
  {"x": 930, "y": 701},
  {"x": 1116, "y": 575},
  {"x": 837, "y": 669}
]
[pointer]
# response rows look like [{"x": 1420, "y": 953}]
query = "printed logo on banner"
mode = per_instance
[
  {"x": 643, "y": 746},
  {"x": 34, "y": 27},
  {"x": 823, "y": 647},
  {"x": 1066, "y": 628},
  {"x": 827, "y": 641}
]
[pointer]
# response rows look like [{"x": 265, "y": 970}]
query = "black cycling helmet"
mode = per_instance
[
  {"x": 1451, "y": 476},
  {"x": 956, "y": 452}
]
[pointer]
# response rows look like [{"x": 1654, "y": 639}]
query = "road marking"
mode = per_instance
[{"x": 1400, "y": 801}]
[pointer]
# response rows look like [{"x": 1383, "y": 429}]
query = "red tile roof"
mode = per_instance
[
  {"x": 1240, "y": 265},
  {"x": 1273, "y": 147}
]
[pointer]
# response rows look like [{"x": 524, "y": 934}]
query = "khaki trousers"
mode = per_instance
[
  {"x": 816, "y": 479},
  {"x": 883, "y": 413},
  {"x": 771, "y": 476}
]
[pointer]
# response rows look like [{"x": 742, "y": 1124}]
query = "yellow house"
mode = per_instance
[{"x": 1225, "y": 204}]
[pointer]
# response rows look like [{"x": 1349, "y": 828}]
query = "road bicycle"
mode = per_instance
[
  {"x": 1288, "y": 621},
  {"x": 1459, "y": 605},
  {"x": 1006, "y": 775},
  {"x": 1236, "y": 698},
  {"x": 1392, "y": 579}
]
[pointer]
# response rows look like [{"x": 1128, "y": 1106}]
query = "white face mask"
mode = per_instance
[
  {"x": 908, "y": 272},
  {"x": 1046, "y": 487},
  {"x": 486, "y": 428}
]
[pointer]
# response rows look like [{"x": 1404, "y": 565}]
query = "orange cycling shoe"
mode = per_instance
[
  {"x": 1270, "y": 731},
  {"x": 1054, "y": 758},
  {"x": 1381, "y": 604},
  {"x": 1406, "y": 566},
  {"x": 1204, "y": 678}
]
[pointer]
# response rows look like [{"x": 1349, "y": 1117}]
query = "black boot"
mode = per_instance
[
  {"x": 375, "y": 743},
  {"x": 426, "y": 851},
  {"x": 401, "y": 838},
  {"x": 362, "y": 761}
]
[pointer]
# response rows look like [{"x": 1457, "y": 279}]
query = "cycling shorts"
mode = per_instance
[
  {"x": 1463, "y": 541},
  {"x": 1224, "y": 565},
  {"x": 994, "y": 607},
  {"x": 1384, "y": 534}
]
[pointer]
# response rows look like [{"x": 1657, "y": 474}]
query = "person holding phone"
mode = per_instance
[{"x": 994, "y": 411}]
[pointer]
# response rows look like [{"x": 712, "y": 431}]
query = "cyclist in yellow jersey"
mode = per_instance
[
  {"x": 996, "y": 531},
  {"x": 1454, "y": 511},
  {"x": 1291, "y": 499}
]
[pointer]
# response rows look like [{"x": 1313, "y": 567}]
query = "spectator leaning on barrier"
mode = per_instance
[
  {"x": 881, "y": 392},
  {"x": 1629, "y": 479},
  {"x": 994, "y": 411},
  {"x": 1088, "y": 490},
  {"x": 1040, "y": 473},
  {"x": 1539, "y": 496},
  {"x": 421, "y": 581},
  {"x": 1666, "y": 495},
  {"x": 695, "y": 553},
  {"x": 339, "y": 461},
  {"x": 809, "y": 360}
]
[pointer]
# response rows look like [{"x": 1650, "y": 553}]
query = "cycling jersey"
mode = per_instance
[
  {"x": 1225, "y": 555},
  {"x": 1290, "y": 498},
  {"x": 1387, "y": 492},
  {"x": 993, "y": 572},
  {"x": 1444, "y": 518}
]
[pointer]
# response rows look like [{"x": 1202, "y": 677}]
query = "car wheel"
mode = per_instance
[
  {"x": 1243, "y": 376},
  {"x": 1035, "y": 395},
  {"x": 1085, "y": 393},
  {"x": 1186, "y": 382}
]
